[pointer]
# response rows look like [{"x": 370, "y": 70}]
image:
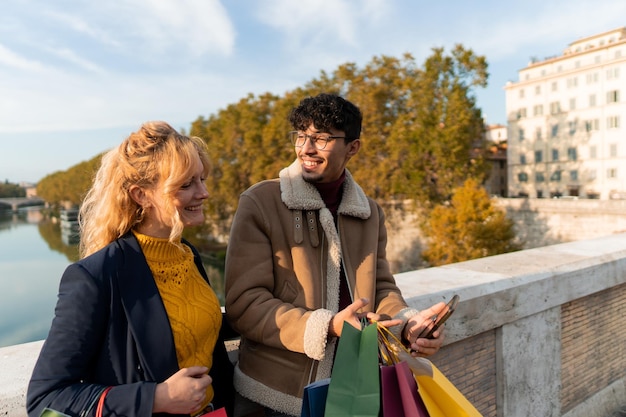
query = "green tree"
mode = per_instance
[
  {"x": 421, "y": 128},
  {"x": 10, "y": 190},
  {"x": 68, "y": 187},
  {"x": 438, "y": 140},
  {"x": 422, "y": 134},
  {"x": 468, "y": 227}
]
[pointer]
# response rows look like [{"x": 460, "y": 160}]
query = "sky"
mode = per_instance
[{"x": 77, "y": 77}]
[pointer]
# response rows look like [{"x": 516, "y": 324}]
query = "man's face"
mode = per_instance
[{"x": 325, "y": 165}]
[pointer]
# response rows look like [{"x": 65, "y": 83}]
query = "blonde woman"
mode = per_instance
[{"x": 137, "y": 312}]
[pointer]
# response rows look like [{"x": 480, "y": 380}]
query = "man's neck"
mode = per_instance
[{"x": 331, "y": 192}]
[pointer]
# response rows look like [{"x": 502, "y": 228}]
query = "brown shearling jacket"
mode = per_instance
[{"x": 282, "y": 282}]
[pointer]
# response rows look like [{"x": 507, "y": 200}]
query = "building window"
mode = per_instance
[
  {"x": 593, "y": 124},
  {"x": 538, "y": 156},
  {"x": 521, "y": 93},
  {"x": 538, "y": 110},
  {"x": 555, "y": 107},
  {"x": 522, "y": 159},
  {"x": 538, "y": 133},
  {"x": 555, "y": 154},
  {"x": 521, "y": 134},
  {"x": 572, "y": 126},
  {"x": 592, "y": 78},
  {"x": 573, "y": 175},
  {"x": 613, "y": 150},
  {"x": 611, "y": 173},
  {"x": 618, "y": 54},
  {"x": 572, "y": 82},
  {"x": 539, "y": 177},
  {"x": 612, "y": 73},
  {"x": 612, "y": 96},
  {"x": 555, "y": 86},
  {"x": 572, "y": 104},
  {"x": 537, "y": 90},
  {"x": 555, "y": 130},
  {"x": 593, "y": 152},
  {"x": 521, "y": 113},
  {"x": 572, "y": 154},
  {"x": 522, "y": 177},
  {"x": 556, "y": 176},
  {"x": 591, "y": 174},
  {"x": 597, "y": 57},
  {"x": 612, "y": 122}
]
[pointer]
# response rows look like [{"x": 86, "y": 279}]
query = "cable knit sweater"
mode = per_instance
[{"x": 192, "y": 307}]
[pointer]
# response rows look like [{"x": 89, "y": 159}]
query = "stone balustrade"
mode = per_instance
[{"x": 539, "y": 332}]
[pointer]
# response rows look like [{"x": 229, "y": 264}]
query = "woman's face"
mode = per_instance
[{"x": 188, "y": 201}]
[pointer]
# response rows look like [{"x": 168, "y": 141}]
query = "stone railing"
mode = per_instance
[{"x": 540, "y": 332}]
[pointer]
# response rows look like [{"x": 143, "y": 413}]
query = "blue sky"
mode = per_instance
[{"x": 76, "y": 77}]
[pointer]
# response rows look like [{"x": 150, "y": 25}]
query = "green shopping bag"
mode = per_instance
[{"x": 354, "y": 389}]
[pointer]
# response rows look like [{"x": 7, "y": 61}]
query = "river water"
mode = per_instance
[{"x": 33, "y": 256}]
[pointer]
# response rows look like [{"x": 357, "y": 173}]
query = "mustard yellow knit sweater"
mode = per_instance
[{"x": 192, "y": 307}]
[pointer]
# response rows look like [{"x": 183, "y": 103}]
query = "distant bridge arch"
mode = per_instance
[{"x": 16, "y": 202}]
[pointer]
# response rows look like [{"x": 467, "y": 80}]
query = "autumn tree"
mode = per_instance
[
  {"x": 439, "y": 138},
  {"x": 468, "y": 227},
  {"x": 422, "y": 134},
  {"x": 8, "y": 189},
  {"x": 245, "y": 146},
  {"x": 69, "y": 187}
]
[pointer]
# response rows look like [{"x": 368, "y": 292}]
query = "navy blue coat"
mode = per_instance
[{"x": 111, "y": 329}]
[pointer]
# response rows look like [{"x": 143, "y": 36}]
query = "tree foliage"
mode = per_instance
[
  {"x": 69, "y": 187},
  {"x": 10, "y": 190},
  {"x": 468, "y": 227},
  {"x": 422, "y": 134}
]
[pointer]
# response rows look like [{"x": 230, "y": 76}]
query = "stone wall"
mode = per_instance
[
  {"x": 538, "y": 222},
  {"x": 539, "y": 332}
]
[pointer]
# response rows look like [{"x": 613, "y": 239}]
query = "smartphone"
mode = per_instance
[{"x": 440, "y": 318}]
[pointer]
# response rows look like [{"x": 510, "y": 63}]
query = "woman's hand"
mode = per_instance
[{"x": 182, "y": 393}]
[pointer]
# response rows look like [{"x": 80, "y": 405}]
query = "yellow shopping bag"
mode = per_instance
[{"x": 442, "y": 398}]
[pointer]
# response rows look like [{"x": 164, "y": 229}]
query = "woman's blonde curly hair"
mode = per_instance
[{"x": 154, "y": 153}]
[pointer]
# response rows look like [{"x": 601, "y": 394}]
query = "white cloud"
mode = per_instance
[
  {"x": 75, "y": 59},
  {"x": 198, "y": 26},
  {"x": 320, "y": 21},
  {"x": 13, "y": 60},
  {"x": 82, "y": 25},
  {"x": 542, "y": 25}
]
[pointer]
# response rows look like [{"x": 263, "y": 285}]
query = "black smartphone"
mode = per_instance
[{"x": 440, "y": 318}]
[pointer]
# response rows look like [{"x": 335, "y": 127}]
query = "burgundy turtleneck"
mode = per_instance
[{"x": 331, "y": 193}]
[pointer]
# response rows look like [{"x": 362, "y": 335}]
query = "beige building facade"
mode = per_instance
[{"x": 567, "y": 122}]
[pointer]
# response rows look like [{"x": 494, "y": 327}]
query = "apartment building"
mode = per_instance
[
  {"x": 496, "y": 182},
  {"x": 566, "y": 122}
]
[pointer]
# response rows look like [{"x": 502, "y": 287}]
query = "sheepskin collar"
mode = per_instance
[{"x": 297, "y": 194}]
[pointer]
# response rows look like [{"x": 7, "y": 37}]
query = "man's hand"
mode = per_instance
[
  {"x": 413, "y": 327},
  {"x": 349, "y": 314}
]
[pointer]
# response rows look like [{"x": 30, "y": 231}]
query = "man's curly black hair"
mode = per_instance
[{"x": 328, "y": 111}]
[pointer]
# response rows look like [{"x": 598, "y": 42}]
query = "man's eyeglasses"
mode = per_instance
[{"x": 319, "y": 140}]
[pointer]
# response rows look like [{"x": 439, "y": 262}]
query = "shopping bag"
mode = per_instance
[
  {"x": 440, "y": 396},
  {"x": 398, "y": 392},
  {"x": 354, "y": 388},
  {"x": 314, "y": 398}
]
